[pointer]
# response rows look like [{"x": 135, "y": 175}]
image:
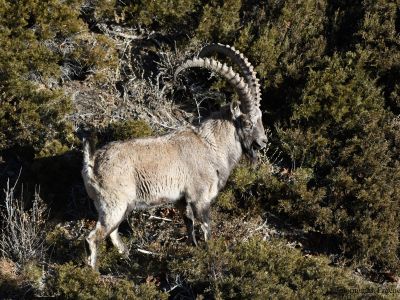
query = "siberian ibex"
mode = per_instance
[{"x": 187, "y": 167}]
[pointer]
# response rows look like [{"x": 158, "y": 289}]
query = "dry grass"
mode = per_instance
[
  {"x": 22, "y": 236},
  {"x": 140, "y": 86}
]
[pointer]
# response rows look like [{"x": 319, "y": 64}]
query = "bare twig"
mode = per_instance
[
  {"x": 146, "y": 251},
  {"x": 159, "y": 218}
]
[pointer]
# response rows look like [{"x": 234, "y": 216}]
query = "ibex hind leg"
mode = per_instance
[
  {"x": 108, "y": 223},
  {"x": 93, "y": 239}
]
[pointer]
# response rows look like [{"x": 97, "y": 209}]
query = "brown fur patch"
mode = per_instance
[{"x": 8, "y": 269}]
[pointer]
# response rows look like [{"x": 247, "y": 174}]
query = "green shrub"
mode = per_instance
[
  {"x": 256, "y": 269},
  {"x": 339, "y": 134},
  {"x": 34, "y": 274},
  {"x": 293, "y": 40},
  {"x": 164, "y": 16},
  {"x": 219, "y": 21},
  {"x": 379, "y": 42},
  {"x": 129, "y": 129},
  {"x": 73, "y": 282},
  {"x": 31, "y": 118},
  {"x": 248, "y": 189},
  {"x": 79, "y": 283},
  {"x": 225, "y": 199},
  {"x": 52, "y": 148},
  {"x": 37, "y": 38},
  {"x": 92, "y": 55},
  {"x": 64, "y": 247},
  {"x": 30, "y": 112},
  {"x": 243, "y": 178}
]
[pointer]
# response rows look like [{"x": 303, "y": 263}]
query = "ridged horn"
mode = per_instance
[
  {"x": 234, "y": 79},
  {"x": 240, "y": 60}
]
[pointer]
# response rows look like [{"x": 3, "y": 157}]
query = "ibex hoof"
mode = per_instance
[
  {"x": 193, "y": 241},
  {"x": 92, "y": 264}
]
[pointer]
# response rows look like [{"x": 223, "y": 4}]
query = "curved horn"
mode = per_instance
[
  {"x": 234, "y": 79},
  {"x": 239, "y": 59}
]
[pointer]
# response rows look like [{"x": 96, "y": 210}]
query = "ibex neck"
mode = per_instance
[{"x": 219, "y": 133}]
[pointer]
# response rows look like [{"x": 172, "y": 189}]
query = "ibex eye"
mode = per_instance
[{"x": 248, "y": 124}]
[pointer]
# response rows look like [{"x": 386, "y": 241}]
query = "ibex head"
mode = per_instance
[
  {"x": 246, "y": 115},
  {"x": 251, "y": 134}
]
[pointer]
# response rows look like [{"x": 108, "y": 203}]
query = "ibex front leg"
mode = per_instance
[
  {"x": 200, "y": 203},
  {"x": 202, "y": 213},
  {"x": 187, "y": 214}
]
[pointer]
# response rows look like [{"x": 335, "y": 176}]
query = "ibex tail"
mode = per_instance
[{"x": 88, "y": 163}]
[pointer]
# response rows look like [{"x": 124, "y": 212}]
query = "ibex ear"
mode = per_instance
[{"x": 235, "y": 110}]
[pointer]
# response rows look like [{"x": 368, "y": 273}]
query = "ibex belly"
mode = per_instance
[{"x": 158, "y": 192}]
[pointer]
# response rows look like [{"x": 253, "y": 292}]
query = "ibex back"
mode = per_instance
[{"x": 187, "y": 167}]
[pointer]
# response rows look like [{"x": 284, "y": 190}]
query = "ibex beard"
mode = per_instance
[{"x": 187, "y": 167}]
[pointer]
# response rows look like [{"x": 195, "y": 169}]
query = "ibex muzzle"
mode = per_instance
[{"x": 187, "y": 167}]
